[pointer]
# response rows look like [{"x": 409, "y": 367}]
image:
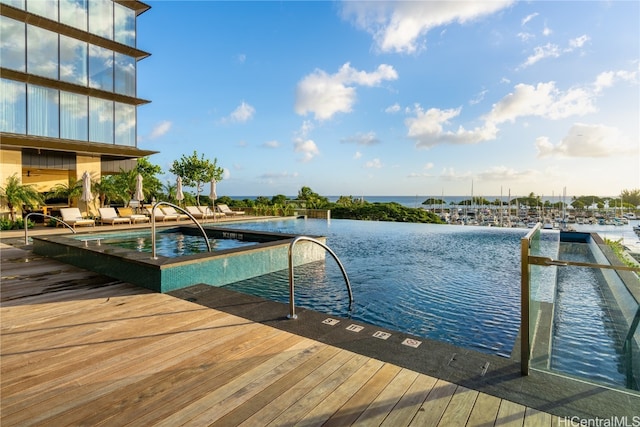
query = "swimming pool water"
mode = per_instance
[
  {"x": 450, "y": 283},
  {"x": 171, "y": 243}
]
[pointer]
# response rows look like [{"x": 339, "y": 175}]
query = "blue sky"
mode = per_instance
[{"x": 396, "y": 98}]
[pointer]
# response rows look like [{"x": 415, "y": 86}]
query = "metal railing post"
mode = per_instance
[
  {"x": 292, "y": 308},
  {"x": 525, "y": 350},
  {"x": 153, "y": 226},
  {"x": 26, "y": 227}
]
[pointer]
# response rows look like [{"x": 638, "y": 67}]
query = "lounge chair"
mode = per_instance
[
  {"x": 73, "y": 217},
  {"x": 135, "y": 218},
  {"x": 197, "y": 213},
  {"x": 225, "y": 210},
  {"x": 110, "y": 216},
  {"x": 206, "y": 210},
  {"x": 161, "y": 216},
  {"x": 170, "y": 210}
]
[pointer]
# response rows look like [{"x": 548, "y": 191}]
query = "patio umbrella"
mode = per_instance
[
  {"x": 179, "y": 193},
  {"x": 86, "y": 188},
  {"x": 138, "y": 195},
  {"x": 212, "y": 194}
]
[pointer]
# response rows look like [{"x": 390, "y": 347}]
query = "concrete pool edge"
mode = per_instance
[
  {"x": 560, "y": 396},
  {"x": 166, "y": 274}
]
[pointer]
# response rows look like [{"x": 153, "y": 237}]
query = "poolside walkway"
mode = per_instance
[{"x": 83, "y": 349}]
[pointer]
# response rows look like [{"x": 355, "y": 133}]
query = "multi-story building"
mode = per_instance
[{"x": 68, "y": 98}]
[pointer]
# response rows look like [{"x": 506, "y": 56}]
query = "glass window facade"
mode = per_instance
[
  {"x": 100, "y": 68},
  {"x": 73, "y": 61},
  {"x": 125, "y": 131},
  {"x": 74, "y": 13},
  {"x": 13, "y": 45},
  {"x": 124, "y": 25},
  {"x": 74, "y": 120},
  {"x": 101, "y": 18},
  {"x": 42, "y": 111},
  {"x": 100, "y": 120},
  {"x": 13, "y": 107},
  {"x": 125, "y": 74},
  {"x": 15, "y": 3},
  {"x": 42, "y": 52},
  {"x": 48, "y": 8}
]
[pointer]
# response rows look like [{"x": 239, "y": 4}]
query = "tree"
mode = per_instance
[
  {"x": 196, "y": 171},
  {"x": 312, "y": 199},
  {"x": 631, "y": 196},
  {"x": 124, "y": 183},
  {"x": 14, "y": 193},
  {"x": 70, "y": 190}
]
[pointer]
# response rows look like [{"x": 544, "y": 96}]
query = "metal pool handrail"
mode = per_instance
[
  {"x": 153, "y": 226},
  {"x": 292, "y": 308},
  {"x": 26, "y": 226}
]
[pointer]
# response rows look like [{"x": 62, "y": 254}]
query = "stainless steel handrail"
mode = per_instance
[
  {"x": 292, "y": 308},
  {"x": 26, "y": 233},
  {"x": 153, "y": 226}
]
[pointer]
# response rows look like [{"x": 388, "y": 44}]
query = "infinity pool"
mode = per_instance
[{"x": 450, "y": 283}]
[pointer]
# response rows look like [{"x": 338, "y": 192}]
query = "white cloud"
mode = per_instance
[
  {"x": 585, "y": 140},
  {"x": 243, "y": 113},
  {"x": 357, "y": 155},
  {"x": 542, "y": 100},
  {"x": 241, "y": 57},
  {"x": 160, "y": 129},
  {"x": 505, "y": 174},
  {"x": 578, "y": 41},
  {"x": 373, "y": 164},
  {"x": 327, "y": 94},
  {"x": 449, "y": 174},
  {"x": 428, "y": 166},
  {"x": 271, "y": 144},
  {"x": 541, "y": 52},
  {"x": 278, "y": 175},
  {"x": 392, "y": 108},
  {"x": 609, "y": 78},
  {"x": 368, "y": 138},
  {"x": 478, "y": 98},
  {"x": 401, "y": 26},
  {"x": 427, "y": 129},
  {"x": 307, "y": 147},
  {"x": 528, "y": 18}
]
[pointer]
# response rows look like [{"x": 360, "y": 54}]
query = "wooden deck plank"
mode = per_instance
[
  {"x": 297, "y": 391},
  {"x": 238, "y": 361},
  {"x": 410, "y": 402},
  {"x": 510, "y": 414},
  {"x": 345, "y": 391},
  {"x": 366, "y": 397},
  {"x": 484, "y": 411},
  {"x": 535, "y": 418},
  {"x": 459, "y": 408},
  {"x": 71, "y": 388},
  {"x": 431, "y": 410},
  {"x": 309, "y": 401},
  {"x": 267, "y": 396}
]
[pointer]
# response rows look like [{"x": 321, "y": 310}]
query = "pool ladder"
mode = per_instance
[
  {"x": 26, "y": 225},
  {"x": 153, "y": 226},
  {"x": 292, "y": 309}
]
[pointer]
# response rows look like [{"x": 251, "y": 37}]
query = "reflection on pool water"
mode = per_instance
[
  {"x": 450, "y": 283},
  {"x": 170, "y": 243}
]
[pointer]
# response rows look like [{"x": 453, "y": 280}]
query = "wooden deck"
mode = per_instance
[{"x": 78, "y": 348}]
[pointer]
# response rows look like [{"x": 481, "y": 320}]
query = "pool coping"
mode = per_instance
[{"x": 491, "y": 374}]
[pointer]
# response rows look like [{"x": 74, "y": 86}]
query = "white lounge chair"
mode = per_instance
[
  {"x": 225, "y": 210},
  {"x": 161, "y": 216},
  {"x": 170, "y": 210},
  {"x": 197, "y": 213},
  {"x": 73, "y": 217},
  {"x": 206, "y": 210},
  {"x": 110, "y": 216},
  {"x": 135, "y": 218}
]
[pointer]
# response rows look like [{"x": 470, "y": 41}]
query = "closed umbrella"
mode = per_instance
[
  {"x": 86, "y": 188},
  {"x": 213, "y": 196},
  {"x": 139, "y": 194},
  {"x": 179, "y": 193}
]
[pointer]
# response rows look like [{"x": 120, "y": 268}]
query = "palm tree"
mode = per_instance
[
  {"x": 15, "y": 194},
  {"x": 70, "y": 190}
]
